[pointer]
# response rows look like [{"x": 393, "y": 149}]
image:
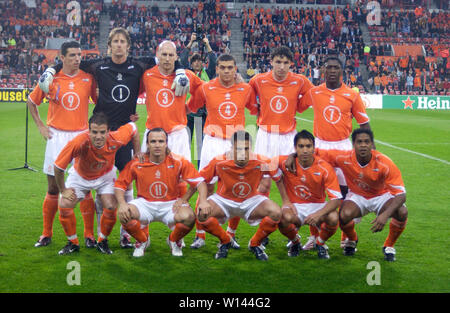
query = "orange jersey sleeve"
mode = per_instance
[
  {"x": 279, "y": 101},
  {"x": 310, "y": 185},
  {"x": 334, "y": 111},
  {"x": 164, "y": 109},
  {"x": 377, "y": 177},
  {"x": 68, "y": 100},
  {"x": 91, "y": 162},
  {"x": 234, "y": 182},
  {"x": 158, "y": 182},
  {"x": 225, "y": 106}
]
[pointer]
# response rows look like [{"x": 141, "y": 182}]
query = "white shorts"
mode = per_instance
[
  {"x": 179, "y": 142},
  {"x": 54, "y": 146},
  {"x": 242, "y": 209},
  {"x": 102, "y": 185},
  {"x": 342, "y": 145},
  {"x": 367, "y": 206},
  {"x": 212, "y": 147},
  {"x": 305, "y": 209},
  {"x": 274, "y": 144},
  {"x": 155, "y": 211}
]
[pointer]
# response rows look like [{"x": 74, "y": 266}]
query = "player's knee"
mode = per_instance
[
  {"x": 402, "y": 213},
  {"x": 287, "y": 217},
  {"x": 274, "y": 212},
  {"x": 332, "y": 218},
  {"x": 186, "y": 217},
  {"x": 345, "y": 215}
]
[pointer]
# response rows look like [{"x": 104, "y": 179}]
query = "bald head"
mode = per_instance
[{"x": 167, "y": 55}]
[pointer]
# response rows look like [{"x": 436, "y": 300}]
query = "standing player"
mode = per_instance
[
  {"x": 157, "y": 178},
  {"x": 120, "y": 77},
  {"x": 375, "y": 185},
  {"x": 66, "y": 118},
  {"x": 279, "y": 92},
  {"x": 165, "y": 109},
  {"x": 239, "y": 175},
  {"x": 225, "y": 100},
  {"x": 93, "y": 153},
  {"x": 335, "y": 105},
  {"x": 304, "y": 194}
]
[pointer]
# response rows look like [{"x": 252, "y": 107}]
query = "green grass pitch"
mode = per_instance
[{"x": 417, "y": 141}]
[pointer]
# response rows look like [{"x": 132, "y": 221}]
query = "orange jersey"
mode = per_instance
[
  {"x": 234, "y": 182},
  {"x": 279, "y": 101},
  {"x": 225, "y": 106},
  {"x": 334, "y": 111},
  {"x": 158, "y": 182},
  {"x": 309, "y": 185},
  {"x": 163, "y": 108},
  {"x": 379, "y": 176},
  {"x": 68, "y": 100},
  {"x": 90, "y": 162}
]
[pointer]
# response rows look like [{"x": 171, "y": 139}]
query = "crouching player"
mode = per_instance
[
  {"x": 239, "y": 173},
  {"x": 157, "y": 176},
  {"x": 375, "y": 185},
  {"x": 304, "y": 193},
  {"x": 93, "y": 153}
]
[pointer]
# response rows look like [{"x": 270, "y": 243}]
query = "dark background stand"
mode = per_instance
[{"x": 26, "y": 166}]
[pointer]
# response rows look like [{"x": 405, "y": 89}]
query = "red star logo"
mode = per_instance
[{"x": 408, "y": 103}]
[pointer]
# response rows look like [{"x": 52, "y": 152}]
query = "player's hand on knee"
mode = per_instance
[
  {"x": 124, "y": 213},
  {"x": 69, "y": 194},
  {"x": 46, "y": 79},
  {"x": 313, "y": 219},
  {"x": 180, "y": 83},
  {"x": 378, "y": 223},
  {"x": 203, "y": 210}
]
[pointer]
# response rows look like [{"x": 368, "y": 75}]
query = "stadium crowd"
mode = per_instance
[
  {"x": 23, "y": 29},
  {"x": 313, "y": 34}
]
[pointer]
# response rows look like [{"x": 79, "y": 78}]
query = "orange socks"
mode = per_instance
[
  {"x": 69, "y": 224},
  {"x": 212, "y": 226},
  {"x": 266, "y": 227},
  {"x": 349, "y": 230},
  {"x": 314, "y": 231},
  {"x": 87, "y": 208},
  {"x": 395, "y": 230},
  {"x": 107, "y": 222},
  {"x": 179, "y": 232},
  {"x": 233, "y": 224},
  {"x": 326, "y": 231},
  {"x": 49, "y": 209},
  {"x": 133, "y": 227},
  {"x": 290, "y": 232}
]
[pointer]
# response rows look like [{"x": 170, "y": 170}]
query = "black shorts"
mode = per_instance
[{"x": 123, "y": 156}]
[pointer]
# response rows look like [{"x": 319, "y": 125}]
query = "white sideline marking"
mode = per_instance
[
  {"x": 395, "y": 147},
  {"x": 413, "y": 152}
]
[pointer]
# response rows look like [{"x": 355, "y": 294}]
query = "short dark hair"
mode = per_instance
[
  {"x": 69, "y": 44},
  {"x": 334, "y": 58},
  {"x": 196, "y": 57},
  {"x": 157, "y": 130},
  {"x": 282, "y": 51},
  {"x": 99, "y": 118},
  {"x": 304, "y": 134},
  {"x": 225, "y": 57},
  {"x": 241, "y": 135},
  {"x": 359, "y": 131}
]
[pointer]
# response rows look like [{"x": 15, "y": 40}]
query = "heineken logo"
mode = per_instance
[{"x": 410, "y": 102}]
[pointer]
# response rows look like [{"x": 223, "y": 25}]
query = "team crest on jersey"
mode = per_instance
[
  {"x": 332, "y": 99},
  {"x": 360, "y": 175},
  {"x": 241, "y": 177},
  {"x": 227, "y": 96},
  {"x": 71, "y": 85},
  {"x": 157, "y": 174},
  {"x": 303, "y": 178},
  {"x": 280, "y": 89},
  {"x": 119, "y": 76},
  {"x": 165, "y": 83}
]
